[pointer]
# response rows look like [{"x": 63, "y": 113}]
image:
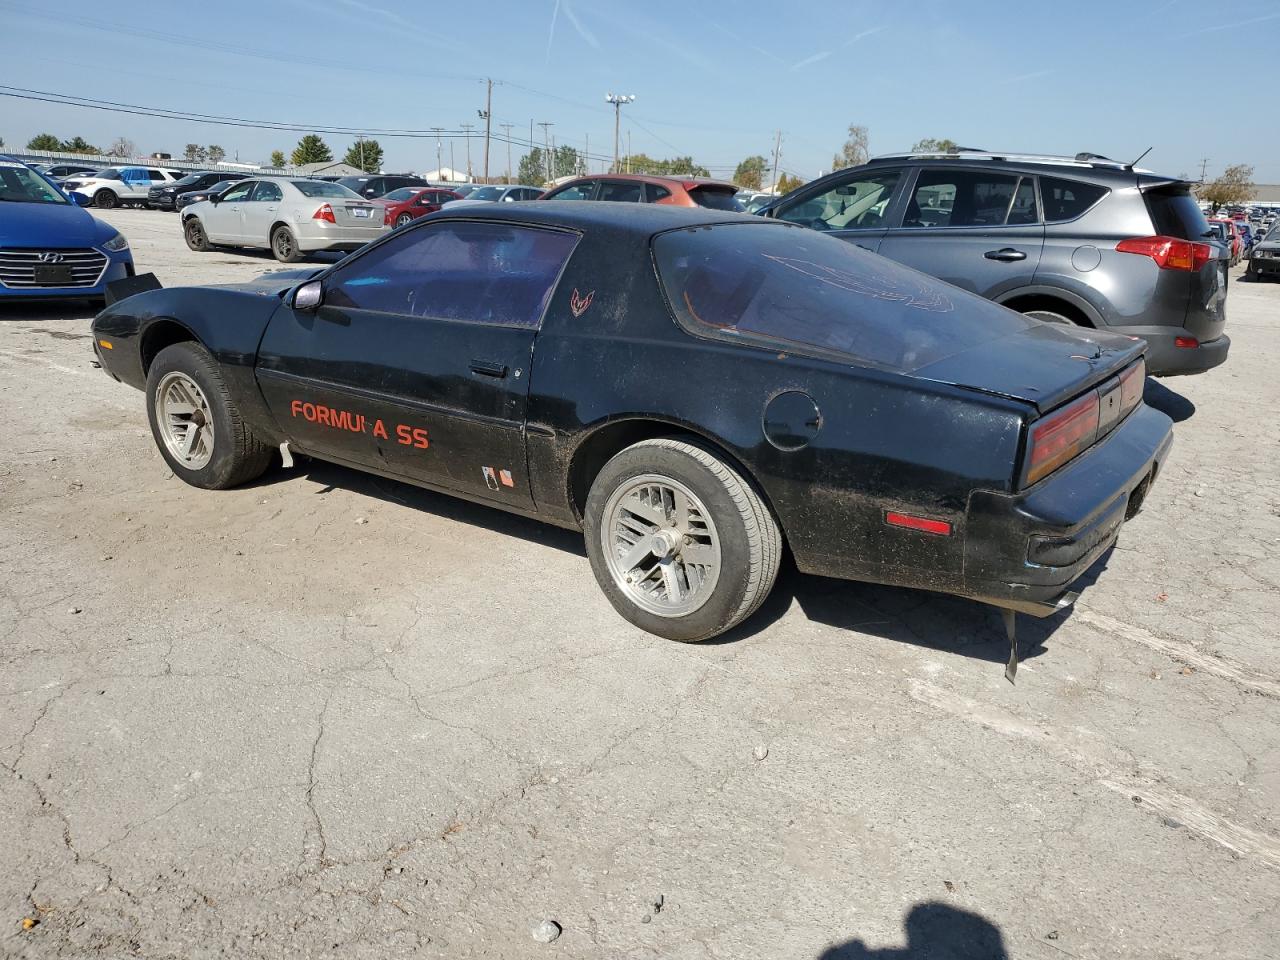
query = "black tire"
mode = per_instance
[
  {"x": 284, "y": 245},
  {"x": 750, "y": 541},
  {"x": 105, "y": 199},
  {"x": 238, "y": 456},
  {"x": 1049, "y": 316},
  {"x": 403, "y": 220},
  {"x": 197, "y": 239}
]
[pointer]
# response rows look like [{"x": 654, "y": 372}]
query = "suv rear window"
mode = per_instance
[
  {"x": 717, "y": 198},
  {"x": 783, "y": 287},
  {"x": 1175, "y": 213},
  {"x": 1067, "y": 199}
]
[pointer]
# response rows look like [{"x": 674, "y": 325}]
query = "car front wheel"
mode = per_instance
[
  {"x": 105, "y": 199},
  {"x": 197, "y": 239},
  {"x": 679, "y": 541},
  {"x": 196, "y": 423}
]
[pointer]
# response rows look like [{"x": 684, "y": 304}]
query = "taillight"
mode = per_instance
[
  {"x": 1131, "y": 383},
  {"x": 1169, "y": 253},
  {"x": 325, "y": 213},
  {"x": 386, "y": 216},
  {"x": 1062, "y": 435}
]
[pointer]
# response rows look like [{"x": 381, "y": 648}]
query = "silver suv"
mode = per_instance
[{"x": 1082, "y": 240}]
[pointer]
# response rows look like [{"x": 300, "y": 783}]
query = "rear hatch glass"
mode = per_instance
[
  {"x": 717, "y": 198},
  {"x": 1175, "y": 213}
]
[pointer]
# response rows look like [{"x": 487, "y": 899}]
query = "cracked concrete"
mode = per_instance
[{"x": 271, "y": 732}]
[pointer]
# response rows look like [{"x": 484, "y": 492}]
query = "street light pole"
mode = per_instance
[
  {"x": 486, "y": 115},
  {"x": 439, "y": 148},
  {"x": 546, "y": 146},
  {"x": 468, "y": 128},
  {"x": 506, "y": 129},
  {"x": 617, "y": 101}
]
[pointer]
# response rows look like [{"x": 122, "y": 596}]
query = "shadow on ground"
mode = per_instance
[
  {"x": 1172, "y": 404},
  {"x": 919, "y": 617},
  {"x": 43, "y": 312},
  {"x": 934, "y": 931}
]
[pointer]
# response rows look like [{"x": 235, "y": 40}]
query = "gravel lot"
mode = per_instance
[{"x": 332, "y": 715}]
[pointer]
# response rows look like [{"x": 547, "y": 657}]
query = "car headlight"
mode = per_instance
[{"x": 116, "y": 243}]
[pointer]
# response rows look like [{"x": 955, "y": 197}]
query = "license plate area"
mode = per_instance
[
  {"x": 362, "y": 213},
  {"x": 53, "y": 275}
]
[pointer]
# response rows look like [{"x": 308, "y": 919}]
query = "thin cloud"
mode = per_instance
[
  {"x": 583, "y": 32},
  {"x": 865, "y": 33},
  {"x": 1029, "y": 76},
  {"x": 551, "y": 34},
  {"x": 810, "y": 61},
  {"x": 1228, "y": 26},
  {"x": 377, "y": 12}
]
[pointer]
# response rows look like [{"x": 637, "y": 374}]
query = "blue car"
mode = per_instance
[{"x": 51, "y": 249}]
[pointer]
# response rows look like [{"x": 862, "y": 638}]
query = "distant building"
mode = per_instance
[
  {"x": 446, "y": 175},
  {"x": 330, "y": 168}
]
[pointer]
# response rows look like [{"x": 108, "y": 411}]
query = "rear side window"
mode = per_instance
[
  {"x": 621, "y": 192},
  {"x": 783, "y": 288},
  {"x": 717, "y": 198},
  {"x": 961, "y": 198},
  {"x": 1175, "y": 213},
  {"x": 268, "y": 192},
  {"x": 1067, "y": 199},
  {"x": 495, "y": 273},
  {"x": 653, "y": 193},
  {"x": 321, "y": 188}
]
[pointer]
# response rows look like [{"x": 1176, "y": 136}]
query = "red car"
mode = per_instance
[
  {"x": 408, "y": 203},
  {"x": 642, "y": 188},
  {"x": 1237, "y": 241}
]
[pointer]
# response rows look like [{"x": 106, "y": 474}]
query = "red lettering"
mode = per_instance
[
  {"x": 322, "y": 415},
  {"x": 404, "y": 435},
  {"x": 379, "y": 430},
  {"x": 420, "y": 438},
  {"x": 309, "y": 411},
  {"x": 295, "y": 407}
]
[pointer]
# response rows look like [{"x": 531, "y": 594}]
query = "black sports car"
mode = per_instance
[{"x": 693, "y": 389}]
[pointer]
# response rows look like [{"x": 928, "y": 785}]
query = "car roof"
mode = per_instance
[
  {"x": 639, "y": 218},
  {"x": 687, "y": 183}
]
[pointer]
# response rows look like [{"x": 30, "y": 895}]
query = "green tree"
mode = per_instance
[
  {"x": 564, "y": 162},
  {"x": 365, "y": 154},
  {"x": 677, "y": 166},
  {"x": 215, "y": 153},
  {"x": 787, "y": 183},
  {"x": 856, "y": 150},
  {"x": 750, "y": 173},
  {"x": 533, "y": 167},
  {"x": 78, "y": 145},
  {"x": 193, "y": 152},
  {"x": 1235, "y": 185},
  {"x": 44, "y": 141},
  {"x": 311, "y": 149},
  {"x": 277, "y": 158},
  {"x": 934, "y": 145}
]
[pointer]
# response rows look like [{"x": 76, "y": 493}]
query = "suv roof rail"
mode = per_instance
[{"x": 1083, "y": 159}]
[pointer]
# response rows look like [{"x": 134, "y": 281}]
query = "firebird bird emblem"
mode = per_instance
[{"x": 579, "y": 304}]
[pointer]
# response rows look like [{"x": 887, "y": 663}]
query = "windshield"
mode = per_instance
[
  {"x": 485, "y": 193},
  {"x": 319, "y": 188},
  {"x": 189, "y": 181},
  {"x": 404, "y": 193},
  {"x": 18, "y": 184},
  {"x": 793, "y": 289}
]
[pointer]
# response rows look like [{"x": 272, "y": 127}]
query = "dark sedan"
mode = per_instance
[
  {"x": 165, "y": 197},
  {"x": 693, "y": 389},
  {"x": 183, "y": 200}
]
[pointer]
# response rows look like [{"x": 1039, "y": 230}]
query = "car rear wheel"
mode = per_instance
[
  {"x": 680, "y": 543},
  {"x": 1048, "y": 316},
  {"x": 285, "y": 246},
  {"x": 403, "y": 220},
  {"x": 197, "y": 239},
  {"x": 196, "y": 424},
  {"x": 105, "y": 199}
]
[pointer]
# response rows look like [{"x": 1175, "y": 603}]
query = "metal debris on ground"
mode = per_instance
[{"x": 546, "y": 931}]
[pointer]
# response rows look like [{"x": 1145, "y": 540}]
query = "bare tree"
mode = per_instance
[{"x": 123, "y": 147}]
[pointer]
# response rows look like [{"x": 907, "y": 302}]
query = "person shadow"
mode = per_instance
[{"x": 934, "y": 931}]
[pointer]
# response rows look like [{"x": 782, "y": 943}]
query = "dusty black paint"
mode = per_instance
[{"x": 945, "y": 441}]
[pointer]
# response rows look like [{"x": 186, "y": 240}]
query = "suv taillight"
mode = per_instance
[
  {"x": 1169, "y": 253},
  {"x": 325, "y": 213}
]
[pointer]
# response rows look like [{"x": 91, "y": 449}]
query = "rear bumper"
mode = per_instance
[
  {"x": 1166, "y": 359},
  {"x": 1030, "y": 547},
  {"x": 318, "y": 235}
]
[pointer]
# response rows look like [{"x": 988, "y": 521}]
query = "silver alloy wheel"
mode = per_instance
[
  {"x": 185, "y": 420},
  {"x": 661, "y": 545},
  {"x": 284, "y": 243},
  {"x": 403, "y": 220}
]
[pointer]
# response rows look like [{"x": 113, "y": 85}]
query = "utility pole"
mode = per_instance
[
  {"x": 1204, "y": 166},
  {"x": 777, "y": 150},
  {"x": 506, "y": 129},
  {"x": 617, "y": 102},
  {"x": 439, "y": 148},
  {"x": 452, "y": 168},
  {"x": 546, "y": 142},
  {"x": 485, "y": 115},
  {"x": 628, "y": 151},
  {"x": 468, "y": 127},
  {"x": 360, "y": 140},
  {"x": 586, "y": 155}
]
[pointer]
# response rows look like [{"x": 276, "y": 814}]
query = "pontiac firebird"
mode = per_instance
[{"x": 694, "y": 390}]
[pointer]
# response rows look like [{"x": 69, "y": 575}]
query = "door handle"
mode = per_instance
[
  {"x": 489, "y": 368},
  {"x": 1005, "y": 255}
]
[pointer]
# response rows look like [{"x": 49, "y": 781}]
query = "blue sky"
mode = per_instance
[{"x": 713, "y": 79}]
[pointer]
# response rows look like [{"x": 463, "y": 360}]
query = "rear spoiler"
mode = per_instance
[{"x": 118, "y": 290}]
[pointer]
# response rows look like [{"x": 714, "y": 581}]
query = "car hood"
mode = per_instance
[
  {"x": 273, "y": 284},
  {"x": 1273, "y": 245},
  {"x": 50, "y": 225},
  {"x": 1043, "y": 364}
]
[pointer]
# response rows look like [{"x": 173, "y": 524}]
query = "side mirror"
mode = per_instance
[{"x": 309, "y": 296}]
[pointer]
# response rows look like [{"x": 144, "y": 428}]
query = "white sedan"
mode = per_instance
[{"x": 288, "y": 216}]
